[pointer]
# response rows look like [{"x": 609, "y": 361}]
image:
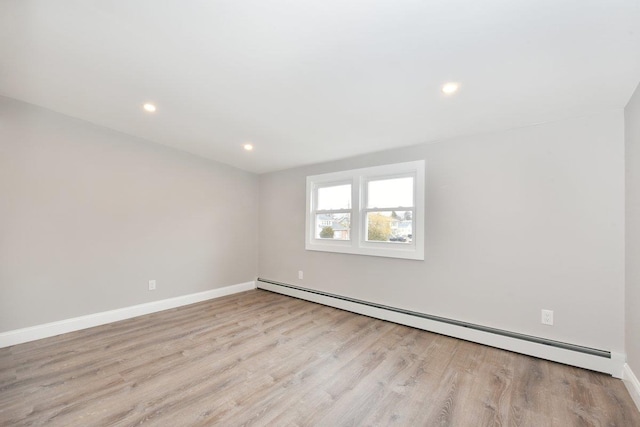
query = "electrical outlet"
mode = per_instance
[
  {"x": 152, "y": 285},
  {"x": 300, "y": 275},
  {"x": 547, "y": 317}
]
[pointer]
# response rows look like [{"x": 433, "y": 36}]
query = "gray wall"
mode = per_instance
[
  {"x": 516, "y": 221},
  {"x": 632, "y": 136},
  {"x": 88, "y": 216}
]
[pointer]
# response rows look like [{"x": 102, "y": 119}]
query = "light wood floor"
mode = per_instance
[{"x": 259, "y": 358}]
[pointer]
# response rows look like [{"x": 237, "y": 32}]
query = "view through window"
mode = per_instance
[
  {"x": 390, "y": 210},
  {"x": 373, "y": 211},
  {"x": 333, "y": 214}
]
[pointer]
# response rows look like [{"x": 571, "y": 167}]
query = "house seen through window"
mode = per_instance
[
  {"x": 333, "y": 213},
  {"x": 389, "y": 210}
]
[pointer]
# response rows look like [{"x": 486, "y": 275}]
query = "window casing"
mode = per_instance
[{"x": 377, "y": 211}]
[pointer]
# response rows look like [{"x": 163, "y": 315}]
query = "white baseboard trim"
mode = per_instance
[
  {"x": 632, "y": 384},
  {"x": 19, "y": 336},
  {"x": 612, "y": 366}
]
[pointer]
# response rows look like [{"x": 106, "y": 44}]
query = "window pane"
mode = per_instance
[
  {"x": 333, "y": 226},
  {"x": 395, "y": 227},
  {"x": 335, "y": 197},
  {"x": 390, "y": 193}
]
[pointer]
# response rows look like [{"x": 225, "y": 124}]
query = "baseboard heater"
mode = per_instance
[{"x": 570, "y": 354}]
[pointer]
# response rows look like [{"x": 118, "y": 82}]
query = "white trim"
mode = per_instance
[
  {"x": 618, "y": 360},
  {"x": 611, "y": 366},
  {"x": 19, "y": 336},
  {"x": 632, "y": 383}
]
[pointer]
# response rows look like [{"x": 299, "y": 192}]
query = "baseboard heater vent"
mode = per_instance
[{"x": 571, "y": 354}]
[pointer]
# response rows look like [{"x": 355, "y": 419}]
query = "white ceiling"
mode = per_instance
[{"x": 308, "y": 81}]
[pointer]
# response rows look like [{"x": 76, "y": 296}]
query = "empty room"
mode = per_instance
[{"x": 320, "y": 213}]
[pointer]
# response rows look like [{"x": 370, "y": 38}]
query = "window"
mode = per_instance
[
  {"x": 333, "y": 212},
  {"x": 375, "y": 211}
]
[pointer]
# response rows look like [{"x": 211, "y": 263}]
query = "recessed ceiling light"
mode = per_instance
[
  {"x": 450, "y": 87},
  {"x": 248, "y": 147},
  {"x": 149, "y": 107}
]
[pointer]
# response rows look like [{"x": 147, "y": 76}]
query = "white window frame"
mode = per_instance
[{"x": 358, "y": 178}]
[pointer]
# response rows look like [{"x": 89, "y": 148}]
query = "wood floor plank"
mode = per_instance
[{"x": 263, "y": 359}]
